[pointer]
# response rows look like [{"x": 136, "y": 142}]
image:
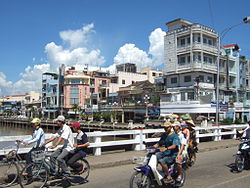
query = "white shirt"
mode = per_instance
[
  {"x": 67, "y": 135},
  {"x": 183, "y": 141}
]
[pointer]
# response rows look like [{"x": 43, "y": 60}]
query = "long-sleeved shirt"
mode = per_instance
[{"x": 37, "y": 137}]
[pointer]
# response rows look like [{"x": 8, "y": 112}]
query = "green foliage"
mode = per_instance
[
  {"x": 237, "y": 121},
  {"x": 228, "y": 120}
]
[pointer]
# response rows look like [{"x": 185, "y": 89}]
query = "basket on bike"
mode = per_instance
[
  {"x": 9, "y": 152},
  {"x": 139, "y": 160},
  {"x": 37, "y": 156}
]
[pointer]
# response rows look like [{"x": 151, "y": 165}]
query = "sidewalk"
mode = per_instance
[{"x": 122, "y": 158}]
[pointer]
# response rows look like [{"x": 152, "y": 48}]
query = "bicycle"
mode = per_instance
[
  {"x": 10, "y": 166},
  {"x": 43, "y": 168}
]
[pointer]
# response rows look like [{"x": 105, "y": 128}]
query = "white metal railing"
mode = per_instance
[{"x": 138, "y": 137}]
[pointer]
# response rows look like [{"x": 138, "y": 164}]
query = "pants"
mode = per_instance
[
  {"x": 29, "y": 157},
  {"x": 72, "y": 160},
  {"x": 59, "y": 157}
]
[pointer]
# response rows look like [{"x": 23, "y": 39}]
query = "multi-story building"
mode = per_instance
[
  {"x": 191, "y": 52},
  {"x": 151, "y": 73},
  {"x": 52, "y": 93},
  {"x": 85, "y": 89}
]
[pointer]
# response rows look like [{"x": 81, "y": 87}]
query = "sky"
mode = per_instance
[{"x": 38, "y": 36}]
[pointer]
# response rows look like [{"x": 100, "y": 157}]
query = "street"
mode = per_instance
[{"x": 212, "y": 170}]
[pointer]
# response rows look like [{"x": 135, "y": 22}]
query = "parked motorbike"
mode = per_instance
[
  {"x": 242, "y": 159},
  {"x": 148, "y": 174}
]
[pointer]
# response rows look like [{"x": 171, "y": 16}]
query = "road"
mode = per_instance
[{"x": 212, "y": 170}]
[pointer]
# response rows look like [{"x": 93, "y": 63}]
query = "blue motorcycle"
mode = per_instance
[{"x": 148, "y": 174}]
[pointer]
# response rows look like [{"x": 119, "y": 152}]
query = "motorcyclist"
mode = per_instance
[
  {"x": 168, "y": 153},
  {"x": 183, "y": 143}
]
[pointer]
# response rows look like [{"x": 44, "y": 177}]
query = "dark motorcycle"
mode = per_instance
[{"x": 242, "y": 160}]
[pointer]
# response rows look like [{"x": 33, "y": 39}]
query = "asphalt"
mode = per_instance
[{"x": 121, "y": 157}]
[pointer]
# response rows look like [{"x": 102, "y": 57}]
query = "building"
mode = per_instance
[
  {"x": 52, "y": 93},
  {"x": 190, "y": 52},
  {"x": 152, "y": 74}
]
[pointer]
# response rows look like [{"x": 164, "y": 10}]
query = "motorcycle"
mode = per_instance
[
  {"x": 148, "y": 174},
  {"x": 242, "y": 159}
]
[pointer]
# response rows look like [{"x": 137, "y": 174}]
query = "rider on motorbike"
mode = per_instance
[
  {"x": 183, "y": 143},
  {"x": 170, "y": 142}
]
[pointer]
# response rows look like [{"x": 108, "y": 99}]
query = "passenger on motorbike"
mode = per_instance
[
  {"x": 183, "y": 143},
  {"x": 170, "y": 142},
  {"x": 246, "y": 133},
  {"x": 80, "y": 148}
]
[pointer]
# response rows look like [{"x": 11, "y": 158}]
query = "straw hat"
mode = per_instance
[
  {"x": 191, "y": 122},
  {"x": 186, "y": 117},
  {"x": 167, "y": 124}
]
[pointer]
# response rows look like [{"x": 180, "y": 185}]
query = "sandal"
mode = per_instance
[{"x": 168, "y": 180}]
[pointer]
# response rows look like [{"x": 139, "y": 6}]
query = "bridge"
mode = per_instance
[
  {"x": 135, "y": 139},
  {"x": 213, "y": 168}
]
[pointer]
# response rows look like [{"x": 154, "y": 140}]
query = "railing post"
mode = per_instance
[
  {"x": 234, "y": 135},
  {"x": 97, "y": 150},
  {"x": 139, "y": 137},
  {"x": 217, "y": 134},
  {"x": 197, "y": 133}
]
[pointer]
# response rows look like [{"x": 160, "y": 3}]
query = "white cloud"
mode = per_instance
[
  {"x": 76, "y": 50},
  {"x": 129, "y": 53},
  {"x": 77, "y": 38},
  {"x": 156, "y": 48}
]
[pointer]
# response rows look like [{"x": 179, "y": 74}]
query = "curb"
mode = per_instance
[{"x": 130, "y": 161}]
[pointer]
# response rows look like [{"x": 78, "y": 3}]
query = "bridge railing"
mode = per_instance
[{"x": 136, "y": 138}]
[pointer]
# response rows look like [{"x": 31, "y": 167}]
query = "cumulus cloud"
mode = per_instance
[
  {"x": 78, "y": 52},
  {"x": 129, "y": 53},
  {"x": 31, "y": 80},
  {"x": 75, "y": 50}
]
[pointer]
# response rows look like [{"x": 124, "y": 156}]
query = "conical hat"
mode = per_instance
[{"x": 191, "y": 122}]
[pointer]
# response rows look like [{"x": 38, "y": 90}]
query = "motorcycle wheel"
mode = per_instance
[
  {"x": 239, "y": 163},
  {"x": 183, "y": 179},
  {"x": 139, "y": 180}
]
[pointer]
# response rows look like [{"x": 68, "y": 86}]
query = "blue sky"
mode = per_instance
[{"x": 33, "y": 33}]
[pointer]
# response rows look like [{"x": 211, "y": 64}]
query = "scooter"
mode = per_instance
[
  {"x": 148, "y": 174},
  {"x": 242, "y": 159}
]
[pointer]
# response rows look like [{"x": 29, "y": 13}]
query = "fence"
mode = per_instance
[{"x": 136, "y": 138}]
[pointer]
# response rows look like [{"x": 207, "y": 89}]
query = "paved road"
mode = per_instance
[{"x": 212, "y": 170}]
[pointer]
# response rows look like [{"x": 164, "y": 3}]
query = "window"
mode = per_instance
[
  {"x": 183, "y": 96},
  {"x": 153, "y": 73},
  {"x": 187, "y": 78},
  {"x": 190, "y": 95},
  {"x": 75, "y": 81},
  {"x": 182, "y": 42},
  {"x": 182, "y": 60},
  {"x": 74, "y": 95},
  {"x": 201, "y": 77},
  {"x": 209, "y": 79},
  {"x": 174, "y": 80},
  {"x": 123, "y": 81}
]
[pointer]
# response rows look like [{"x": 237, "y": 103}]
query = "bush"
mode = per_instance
[
  {"x": 237, "y": 121},
  {"x": 228, "y": 120}
]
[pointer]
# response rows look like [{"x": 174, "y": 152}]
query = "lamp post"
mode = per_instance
[
  {"x": 146, "y": 99},
  {"x": 219, "y": 41}
]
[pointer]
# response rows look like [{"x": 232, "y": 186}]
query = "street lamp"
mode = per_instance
[
  {"x": 146, "y": 99},
  {"x": 219, "y": 41}
]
